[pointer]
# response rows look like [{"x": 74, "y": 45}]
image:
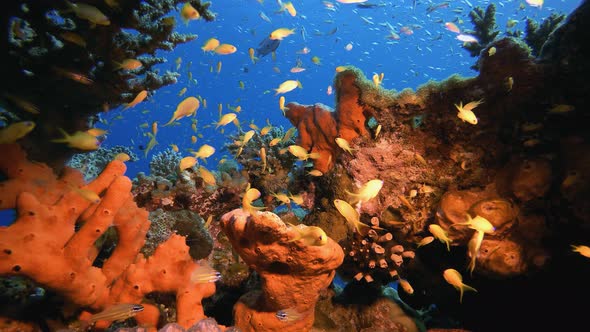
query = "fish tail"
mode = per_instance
[
  {"x": 314, "y": 155},
  {"x": 462, "y": 290},
  {"x": 64, "y": 139}
]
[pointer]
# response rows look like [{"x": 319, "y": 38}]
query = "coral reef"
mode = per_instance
[
  {"x": 537, "y": 34},
  {"x": 183, "y": 222},
  {"x": 520, "y": 166},
  {"x": 293, "y": 273},
  {"x": 65, "y": 265},
  {"x": 66, "y": 64},
  {"x": 485, "y": 28},
  {"x": 362, "y": 310},
  {"x": 272, "y": 178},
  {"x": 318, "y": 126},
  {"x": 92, "y": 163},
  {"x": 165, "y": 164}
]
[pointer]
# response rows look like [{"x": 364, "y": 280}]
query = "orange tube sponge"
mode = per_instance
[
  {"x": 293, "y": 273},
  {"x": 318, "y": 126},
  {"x": 43, "y": 243}
]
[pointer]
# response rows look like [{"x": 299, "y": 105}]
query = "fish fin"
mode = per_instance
[
  {"x": 298, "y": 236},
  {"x": 314, "y": 155},
  {"x": 64, "y": 139}
]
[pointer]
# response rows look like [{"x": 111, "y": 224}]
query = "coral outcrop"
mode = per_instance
[
  {"x": 292, "y": 273},
  {"x": 65, "y": 62},
  {"x": 52, "y": 241},
  {"x": 319, "y": 126}
]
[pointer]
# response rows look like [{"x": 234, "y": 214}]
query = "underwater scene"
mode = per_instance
[{"x": 272, "y": 165}]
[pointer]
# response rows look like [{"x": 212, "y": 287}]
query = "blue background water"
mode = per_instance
[{"x": 430, "y": 53}]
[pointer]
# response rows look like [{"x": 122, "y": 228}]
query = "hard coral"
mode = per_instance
[
  {"x": 66, "y": 226},
  {"x": 485, "y": 26},
  {"x": 292, "y": 273},
  {"x": 38, "y": 66}
]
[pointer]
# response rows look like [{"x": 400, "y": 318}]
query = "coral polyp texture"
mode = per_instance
[
  {"x": 59, "y": 220},
  {"x": 293, "y": 273}
]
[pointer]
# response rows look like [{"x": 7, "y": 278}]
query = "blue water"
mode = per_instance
[{"x": 430, "y": 53}]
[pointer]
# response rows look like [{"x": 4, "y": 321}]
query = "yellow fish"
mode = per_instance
[
  {"x": 309, "y": 235},
  {"x": 406, "y": 286},
  {"x": 16, "y": 131},
  {"x": 207, "y": 176},
  {"x": 582, "y": 249},
  {"x": 128, "y": 64},
  {"x": 187, "y": 162},
  {"x": 274, "y": 141},
  {"x": 562, "y": 108},
  {"x": 368, "y": 191},
  {"x": 263, "y": 158},
  {"x": 73, "y": 38},
  {"x": 174, "y": 147},
  {"x": 265, "y": 130},
  {"x": 425, "y": 241},
  {"x": 150, "y": 145},
  {"x": 350, "y": 214},
  {"x": 290, "y": 132},
  {"x": 315, "y": 172},
  {"x": 290, "y": 9},
  {"x": 251, "y": 55},
  {"x": 122, "y": 157},
  {"x": 473, "y": 249},
  {"x": 479, "y": 224},
  {"x": 186, "y": 107},
  {"x": 454, "y": 278},
  {"x": 138, "y": 99},
  {"x": 282, "y": 105},
  {"x": 283, "y": 198},
  {"x": 79, "y": 140},
  {"x": 440, "y": 234},
  {"x": 281, "y": 33},
  {"x": 182, "y": 91},
  {"x": 210, "y": 45},
  {"x": 188, "y": 13},
  {"x": 287, "y": 86},
  {"x": 96, "y": 132},
  {"x": 465, "y": 112},
  {"x": 250, "y": 196},
  {"x": 120, "y": 311},
  {"x": 225, "y": 119},
  {"x": 301, "y": 152},
  {"x": 87, "y": 194},
  {"x": 225, "y": 49},
  {"x": 204, "y": 274},
  {"x": 205, "y": 151},
  {"x": 377, "y": 79},
  {"x": 89, "y": 13},
  {"x": 343, "y": 144}
]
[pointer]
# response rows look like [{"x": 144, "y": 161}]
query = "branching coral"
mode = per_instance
[
  {"x": 268, "y": 176},
  {"x": 66, "y": 225},
  {"x": 92, "y": 163},
  {"x": 165, "y": 164},
  {"x": 485, "y": 29},
  {"x": 66, "y": 64},
  {"x": 537, "y": 34}
]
